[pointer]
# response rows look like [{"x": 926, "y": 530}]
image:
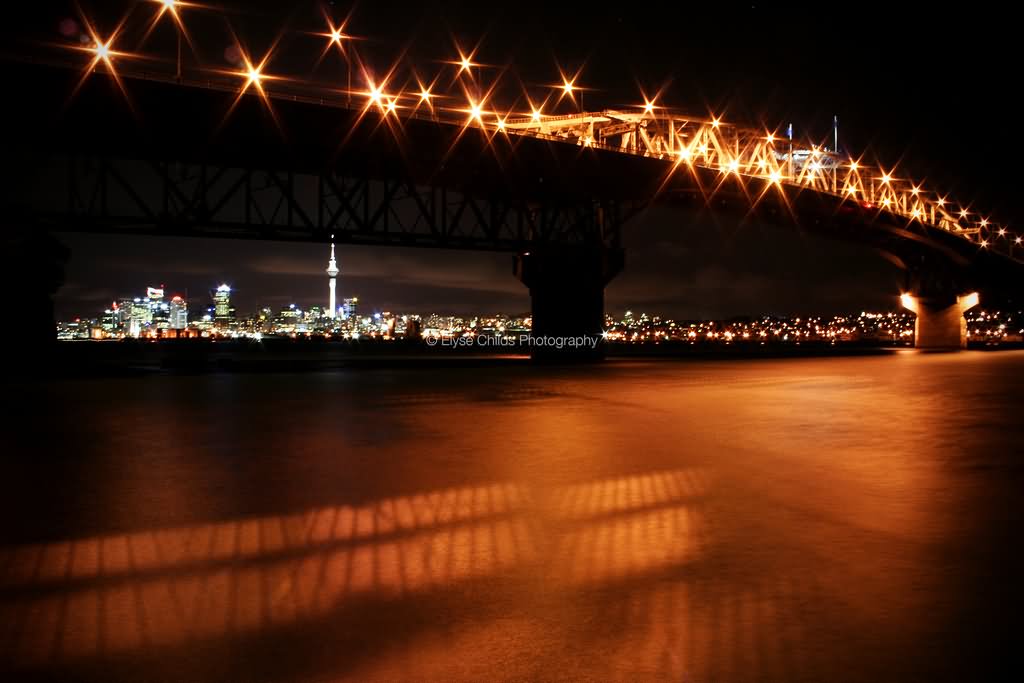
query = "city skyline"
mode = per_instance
[{"x": 678, "y": 267}]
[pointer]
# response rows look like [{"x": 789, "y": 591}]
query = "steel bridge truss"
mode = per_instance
[
  {"x": 747, "y": 152},
  {"x": 171, "y": 198}
]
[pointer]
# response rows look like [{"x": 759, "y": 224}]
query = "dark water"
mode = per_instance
[{"x": 851, "y": 519}]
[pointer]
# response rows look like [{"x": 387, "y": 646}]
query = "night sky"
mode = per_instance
[{"x": 932, "y": 89}]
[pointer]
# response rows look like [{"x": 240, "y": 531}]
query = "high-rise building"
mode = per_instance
[
  {"x": 123, "y": 307},
  {"x": 158, "y": 309},
  {"x": 178, "y": 313},
  {"x": 348, "y": 308},
  {"x": 222, "y": 310},
  {"x": 332, "y": 283},
  {"x": 141, "y": 317}
]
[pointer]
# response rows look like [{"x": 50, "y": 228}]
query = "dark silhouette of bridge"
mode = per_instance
[{"x": 148, "y": 154}]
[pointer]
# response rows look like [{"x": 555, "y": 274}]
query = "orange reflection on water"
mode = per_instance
[{"x": 132, "y": 592}]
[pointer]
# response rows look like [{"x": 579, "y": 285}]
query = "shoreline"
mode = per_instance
[{"x": 177, "y": 357}]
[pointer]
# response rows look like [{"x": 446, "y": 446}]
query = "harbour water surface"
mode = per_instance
[{"x": 827, "y": 519}]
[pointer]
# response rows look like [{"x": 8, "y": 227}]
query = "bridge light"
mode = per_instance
[
  {"x": 984, "y": 244},
  {"x": 851, "y": 190},
  {"x": 916, "y": 213},
  {"x": 770, "y": 138},
  {"x": 567, "y": 87},
  {"x": 909, "y": 302},
  {"x": 1016, "y": 240},
  {"x": 375, "y": 95},
  {"x": 684, "y": 153},
  {"x": 886, "y": 178},
  {"x": 715, "y": 122},
  {"x": 915, "y": 190},
  {"x": 648, "y": 107},
  {"x": 963, "y": 213},
  {"x": 815, "y": 167},
  {"x": 253, "y": 76},
  {"x": 425, "y": 96},
  {"x": 854, "y": 165},
  {"x": 886, "y": 201},
  {"x": 775, "y": 177},
  {"x": 1002, "y": 232},
  {"x": 102, "y": 51},
  {"x": 941, "y": 201},
  {"x": 391, "y": 106},
  {"x": 734, "y": 166},
  {"x": 501, "y": 123},
  {"x": 984, "y": 222},
  {"x": 475, "y": 111},
  {"x": 536, "y": 115}
]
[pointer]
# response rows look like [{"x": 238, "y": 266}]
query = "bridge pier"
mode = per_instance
[
  {"x": 33, "y": 271},
  {"x": 940, "y": 324},
  {"x": 567, "y": 299}
]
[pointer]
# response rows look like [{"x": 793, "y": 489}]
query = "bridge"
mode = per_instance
[{"x": 105, "y": 145}]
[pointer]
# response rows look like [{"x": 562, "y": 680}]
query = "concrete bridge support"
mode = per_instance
[
  {"x": 940, "y": 322},
  {"x": 32, "y": 272},
  {"x": 567, "y": 299}
]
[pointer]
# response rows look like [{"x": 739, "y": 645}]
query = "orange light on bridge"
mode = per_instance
[
  {"x": 886, "y": 178},
  {"x": 648, "y": 107},
  {"x": 684, "y": 154},
  {"x": 254, "y": 76},
  {"x": 715, "y": 122},
  {"x": 915, "y": 190},
  {"x": 1016, "y": 240},
  {"x": 536, "y": 115},
  {"x": 425, "y": 96},
  {"x": 854, "y": 165},
  {"x": 963, "y": 213},
  {"x": 1002, "y": 232},
  {"x": 102, "y": 51},
  {"x": 375, "y": 95},
  {"x": 984, "y": 244},
  {"x": 984, "y": 222},
  {"x": 567, "y": 87},
  {"x": 775, "y": 177},
  {"x": 770, "y": 138},
  {"x": 465, "y": 62},
  {"x": 734, "y": 166}
]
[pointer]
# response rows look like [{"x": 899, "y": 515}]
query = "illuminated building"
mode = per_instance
[
  {"x": 158, "y": 309},
  {"x": 178, "y": 313},
  {"x": 332, "y": 283},
  {"x": 348, "y": 308},
  {"x": 123, "y": 307},
  {"x": 223, "y": 313}
]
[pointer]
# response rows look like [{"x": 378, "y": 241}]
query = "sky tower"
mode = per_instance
[{"x": 332, "y": 272}]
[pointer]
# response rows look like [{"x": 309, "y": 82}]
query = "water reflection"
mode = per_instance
[
  {"x": 102, "y": 595},
  {"x": 825, "y": 520}
]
